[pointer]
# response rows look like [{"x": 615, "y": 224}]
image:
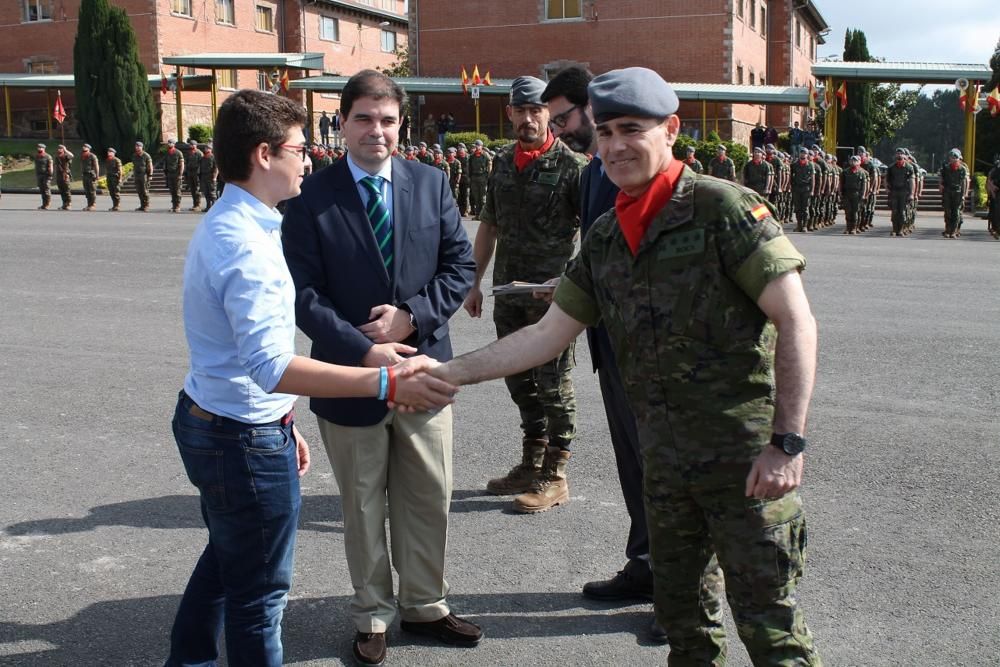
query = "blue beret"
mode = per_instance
[
  {"x": 527, "y": 90},
  {"x": 633, "y": 91}
]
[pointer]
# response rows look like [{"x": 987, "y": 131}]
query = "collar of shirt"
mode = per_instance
[
  {"x": 268, "y": 218},
  {"x": 357, "y": 173}
]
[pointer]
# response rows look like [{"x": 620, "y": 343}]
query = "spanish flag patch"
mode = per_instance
[{"x": 760, "y": 212}]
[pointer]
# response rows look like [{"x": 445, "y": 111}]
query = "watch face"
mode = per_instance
[{"x": 793, "y": 444}]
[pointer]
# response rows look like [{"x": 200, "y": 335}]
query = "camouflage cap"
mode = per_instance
[
  {"x": 112, "y": 149},
  {"x": 770, "y": 147},
  {"x": 900, "y": 151},
  {"x": 478, "y": 142},
  {"x": 40, "y": 146},
  {"x": 61, "y": 147},
  {"x": 720, "y": 149},
  {"x": 632, "y": 91},
  {"x": 138, "y": 144},
  {"x": 193, "y": 141},
  {"x": 526, "y": 90},
  {"x": 690, "y": 150},
  {"x": 87, "y": 147},
  {"x": 954, "y": 152}
]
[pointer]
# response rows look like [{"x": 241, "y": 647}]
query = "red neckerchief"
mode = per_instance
[
  {"x": 477, "y": 153},
  {"x": 899, "y": 163},
  {"x": 437, "y": 160},
  {"x": 690, "y": 160},
  {"x": 635, "y": 214},
  {"x": 171, "y": 150},
  {"x": 854, "y": 169},
  {"x": 523, "y": 158},
  {"x": 955, "y": 166},
  {"x": 451, "y": 158}
]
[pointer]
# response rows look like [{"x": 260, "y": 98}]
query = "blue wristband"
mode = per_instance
[{"x": 383, "y": 383}]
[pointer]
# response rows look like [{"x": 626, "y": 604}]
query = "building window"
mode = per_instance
[
  {"x": 263, "y": 80},
  {"x": 388, "y": 41},
  {"x": 739, "y": 74},
  {"x": 557, "y": 10},
  {"x": 264, "y": 19},
  {"x": 225, "y": 12},
  {"x": 370, "y": 3},
  {"x": 389, "y": 5},
  {"x": 763, "y": 21},
  {"x": 798, "y": 35},
  {"x": 37, "y": 10},
  {"x": 739, "y": 8},
  {"x": 753, "y": 14},
  {"x": 329, "y": 29},
  {"x": 42, "y": 67},
  {"x": 753, "y": 78},
  {"x": 226, "y": 78},
  {"x": 182, "y": 7}
]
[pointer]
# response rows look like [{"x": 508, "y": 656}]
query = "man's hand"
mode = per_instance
[
  {"x": 546, "y": 295},
  {"x": 301, "y": 451},
  {"x": 420, "y": 392},
  {"x": 386, "y": 354},
  {"x": 774, "y": 473},
  {"x": 474, "y": 302},
  {"x": 388, "y": 325}
]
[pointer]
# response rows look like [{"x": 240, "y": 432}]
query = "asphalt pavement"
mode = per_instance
[{"x": 99, "y": 527}]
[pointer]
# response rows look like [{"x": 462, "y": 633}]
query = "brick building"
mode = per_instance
[
  {"x": 351, "y": 35},
  {"x": 752, "y": 42}
]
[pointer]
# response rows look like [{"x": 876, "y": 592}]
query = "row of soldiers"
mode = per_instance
[{"x": 197, "y": 169}]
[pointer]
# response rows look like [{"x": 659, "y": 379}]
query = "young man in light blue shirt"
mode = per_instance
[{"x": 233, "y": 422}]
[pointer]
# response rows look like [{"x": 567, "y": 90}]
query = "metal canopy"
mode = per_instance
[
  {"x": 412, "y": 85},
  {"x": 735, "y": 94},
  {"x": 42, "y": 81},
  {"x": 367, "y": 11},
  {"x": 889, "y": 72},
  {"x": 247, "y": 60}
]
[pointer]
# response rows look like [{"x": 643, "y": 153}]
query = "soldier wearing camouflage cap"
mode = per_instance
[
  {"x": 954, "y": 187},
  {"x": 173, "y": 171},
  {"x": 480, "y": 164},
  {"x": 64, "y": 175},
  {"x": 142, "y": 173},
  {"x": 43, "y": 175},
  {"x": 113, "y": 169},
  {"x": 91, "y": 170},
  {"x": 718, "y": 298},
  {"x": 531, "y": 216},
  {"x": 192, "y": 170}
]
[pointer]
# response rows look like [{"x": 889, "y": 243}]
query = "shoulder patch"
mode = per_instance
[{"x": 760, "y": 212}]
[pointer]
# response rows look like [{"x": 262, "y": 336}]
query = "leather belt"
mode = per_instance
[{"x": 201, "y": 413}]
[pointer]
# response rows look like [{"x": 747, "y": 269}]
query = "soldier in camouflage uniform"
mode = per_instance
[
  {"x": 43, "y": 175},
  {"x": 867, "y": 214},
  {"x": 113, "y": 169},
  {"x": 993, "y": 189},
  {"x": 531, "y": 217},
  {"x": 91, "y": 169},
  {"x": 819, "y": 193},
  {"x": 191, "y": 174},
  {"x": 142, "y": 174},
  {"x": 455, "y": 175},
  {"x": 64, "y": 176},
  {"x": 173, "y": 170},
  {"x": 854, "y": 183},
  {"x": 777, "y": 169},
  {"x": 919, "y": 174},
  {"x": 463, "y": 186},
  {"x": 803, "y": 183},
  {"x": 423, "y": 154},
  {"x": 954, "y": 188},
  {"x": 900, "y": 182},
  {"x": 758, "y": 174},
  {"x": 208, "y": 172},
  {"x": 722, "y": 166},
  {"x": 692, "y": 162},
  {"x": 324, "y": 160},
  {"x": 480, "y": 164},
  {"x": 440, "y": 162},
  {"x": 719, "y": 297}
]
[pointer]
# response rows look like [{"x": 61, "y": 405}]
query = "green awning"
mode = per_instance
[
  {"x": 247, "y": 60},
  {"x": 888, "y": 72}
]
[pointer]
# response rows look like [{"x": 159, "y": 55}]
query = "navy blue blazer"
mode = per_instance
[
  {"x": 598, "y": 194},
  {"x": 339, "y": 276}
]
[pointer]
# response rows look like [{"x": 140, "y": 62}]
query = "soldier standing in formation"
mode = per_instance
[
  {"x": 900, "y": 183},
  {"x": 530, "y": 218},
  {"x": 721, "y": 166},
  {"x": 993, "y": 189},
  {"x": 463, "y": 186},
  {"x": 91, "y": 169},
  {"x": 440, "y": 162},
  {"x": 774, "y": 194},
  {"x": 64, "y": 176},
  {"x": 693, "y": 163},
  {"x": 918, "y": 190},
  {"x": 424, "y": 155},
  {"x": 455, "y": 176},
  {"x": 142, "y": 173},
  {"x": 43, "y": 175},
  {"x": 113, "y": 169},
  {"x": 803, "y": 183},
  {"x": 173, "y": 170},
  {"x": 954, "y": 188},
  {"x": 867, "y": 215},
  {"x": 480, "y": 165},
  {"x": 191, "y": 174},
  {"x": 854, "y": 183},
  {"x": 758, "y": 174},
  {"x": 835, "y": 194},
  {"x": 820, "y": 190},
  {"x": 208, "y": 172}
]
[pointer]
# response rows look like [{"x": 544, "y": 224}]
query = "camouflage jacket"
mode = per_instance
[
  {"x": 536, "y": 213},
  {"x": 191, "y": 163},
  {"x": 142, "y": 165},
  {"x": 464, "y": 161},
  {"x": 64, "y": 166},
  {"x": 854, "y": 182},
  {"x": 426, "y": 158},
  {"x": 802, "y": 176},
  {"x": 90, "y": 165},
  {"x": 954, "y": 180},
  {"x": 695, "y": 165},
  {"x": 724, "y": 168},
  {"x": 454, "y": 172},
  {"x": 479, "y": 165},
  {"x": 899, "y": 179},
  {"x": 690, "y": 340},
  {"x": 443, "y": 166},
  {"x": 114, "y": 169},
  {"x": 206, "y": 168},
  {"x": 43, "y": 165},
  {"x": 758, "y": 177},
  {"x": 173, "y": 163}
]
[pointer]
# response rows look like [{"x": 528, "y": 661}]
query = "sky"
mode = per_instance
[{"x": 955, "y": 31}]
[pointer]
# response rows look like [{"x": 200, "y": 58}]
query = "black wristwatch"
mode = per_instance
[{"x": 792, "y": 444}]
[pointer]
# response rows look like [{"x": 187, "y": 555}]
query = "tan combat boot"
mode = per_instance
[
  {"x": 521, "y": 476},
  {"x": 550, "y": 489}
]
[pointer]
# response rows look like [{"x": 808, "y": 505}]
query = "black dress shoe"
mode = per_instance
[
  {"x": 656, "y": 632},
  {"x": 369, "y": 648},
  {"x": 633, "y": 582},
  {"x": 451, "y": 630}
]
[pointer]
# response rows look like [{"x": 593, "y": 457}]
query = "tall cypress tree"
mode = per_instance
[
  {"x": 854, "y": 124},
  {"x": 115, "y": 105}
]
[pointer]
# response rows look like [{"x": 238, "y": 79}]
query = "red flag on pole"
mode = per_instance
[
  {"x": 164, "y": 86},
  {"x": 59, "y": 112},
  {"x": 284, "y": 81},
  {"x": 993, "y": 102},
  {"x": 475, "y": 76},
  {"x": 465, "y": 81},
  {"x": 842, "y": 95},
  {"x": 487, "y": 81}
]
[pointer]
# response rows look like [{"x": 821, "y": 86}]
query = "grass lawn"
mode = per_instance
[{"x": 22, "y": 173}]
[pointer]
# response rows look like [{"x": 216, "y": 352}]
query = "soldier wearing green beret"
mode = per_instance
[{"x": 113, "y": 169}]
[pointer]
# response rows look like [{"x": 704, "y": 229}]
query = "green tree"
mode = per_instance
[
  {"x": 115, "y": 105},
  {"x": 401, "y": 67},
  {"x": 854, "y": 124},
  {"x": 933, "y": 126}
]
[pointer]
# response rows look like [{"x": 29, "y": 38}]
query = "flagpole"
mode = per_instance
[{"x": 48, "y": 112}]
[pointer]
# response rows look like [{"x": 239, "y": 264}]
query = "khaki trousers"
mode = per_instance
[{"x": 406, "y": 460}]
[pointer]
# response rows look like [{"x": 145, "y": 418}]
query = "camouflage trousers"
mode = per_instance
[
  {"x": 463, "y": 196},
  {"x": 90, "y": 189},
  {"x": 194, "y": 187},
  {"x": 853, "y": 210},
  {"x": 952, "y": 203},
  {"x": 208, "y": 189},
  {"x": 898, "y": 203},
  {"x": 174, "y": 186},
  {"x": 544, "y": 394},
  {"x": 44, "y": 190},
  {"x": 701, "y": 527},
  {"x": 477, "y": 193},
  {"x": 142, "y": 184},
  {"x": 64, "y": 191},
  {"x": 801, "y": 202},
  {"x": 114, "y": 191}
]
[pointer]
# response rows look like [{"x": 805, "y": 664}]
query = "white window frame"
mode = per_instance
[
  {"x": 39, "y": 6},
  {"x": 258, "y": 12},
  {"x": 185, "y": 8},
  {"x": 224, "y": 5},
  {"x": 548, "y": 4},
  {"x": 231, "y": 72},
  {"x": 335, "y": 22},
  {"x": 383, "y": 37}
]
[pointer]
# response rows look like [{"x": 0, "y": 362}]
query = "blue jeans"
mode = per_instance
[{"x": 247, "y": 476}]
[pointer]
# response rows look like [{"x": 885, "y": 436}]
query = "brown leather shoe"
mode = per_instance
[
  {"x": 369, "y": 648},
  {"x": 451, "y": 630}
]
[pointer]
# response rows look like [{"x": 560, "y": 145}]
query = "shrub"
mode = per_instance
[
  {"x": 705, "y": 150},
  {"x": 979, "y": 192},
  {"x": 467, "y": 138},
  {"x": 102, "y": 182},
  {"x": 200, "y": 133}
]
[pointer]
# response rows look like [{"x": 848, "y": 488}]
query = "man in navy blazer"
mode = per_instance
[{"x": 381, "y": 262}]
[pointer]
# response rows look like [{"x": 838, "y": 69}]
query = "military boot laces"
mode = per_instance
[{"x": 550, "y": 489}]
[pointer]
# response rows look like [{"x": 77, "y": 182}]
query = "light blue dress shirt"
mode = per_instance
[
  {"x": 357, "y": 173},
  {"x": 239, "y": 310}
]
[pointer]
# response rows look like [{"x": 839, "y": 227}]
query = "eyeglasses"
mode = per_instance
[
  {"x": 302, "y": 150},
  {"x": 562, "y": 119}
]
